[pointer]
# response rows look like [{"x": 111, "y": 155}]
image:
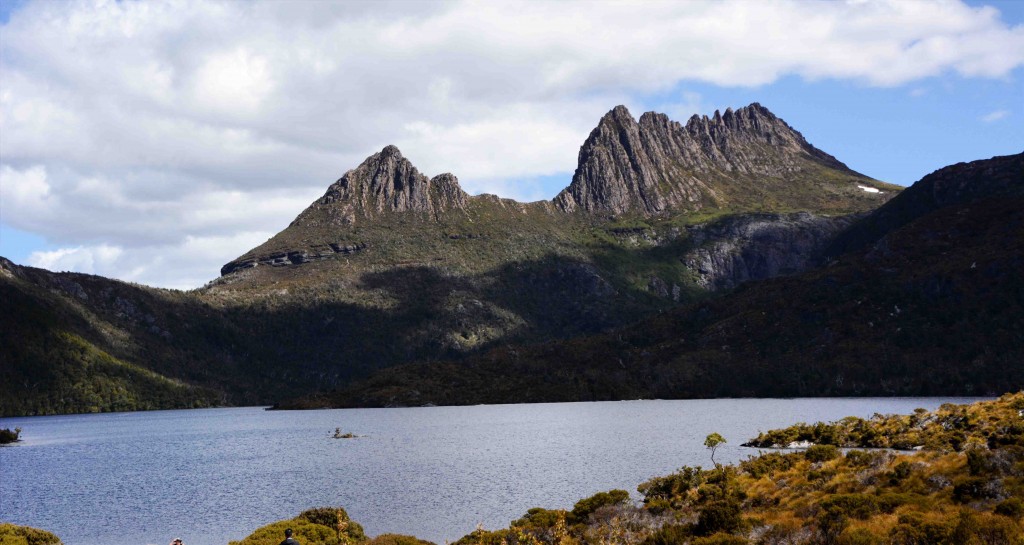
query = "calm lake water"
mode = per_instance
[{"x": 215, "y": 475}]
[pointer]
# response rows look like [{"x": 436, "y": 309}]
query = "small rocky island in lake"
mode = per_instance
[
  {"x": 7, "y": 436},
  {"x": 346, "y": 435}
]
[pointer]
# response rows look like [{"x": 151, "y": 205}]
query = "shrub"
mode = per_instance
[
  {"x": 320, "y": 526},
  {"x": 831, "y": 524},
  {"x": 919, "y": 534},
  {"x": 823, "y": 475},
  {"x": 337, "y": 519},
  {"x": 974, "y": 488},
  {"x": 767, "y": 464},
  {"x": 864, "y": 458},
  {"x": 718, "y": 516},
  {"x": 721, "y": 539},
  {"x": 976, "y": 462},
  {"x": 858, "y": 506},
  {"x": 23, "y": 535},
  {"x": 397, "y": 539},
  {"x": 671, "y": 486},
  {"x": 306, "y": 533},
  {"x": 585, "y": 507},
  {"x": 671, "y": 534},
  {"x": 859, "y": 536},
  {"x": 1012, "y": 508},
  {"x": 538, "y": 517},
  {"x": 900, "y": 472},
  {"x": 888, "y": 502},
  {"x": 821, "y": 453}
]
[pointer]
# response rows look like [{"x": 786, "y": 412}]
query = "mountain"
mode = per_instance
[
  {"x": 744, "y": 159},
  {"x": 933, "y": 305},
  {"x": 955, "y": 185},
  {"x": 655, "y": 169},
  {"x": 82, "y": 343},
  {"x": 391, "y": 267}
]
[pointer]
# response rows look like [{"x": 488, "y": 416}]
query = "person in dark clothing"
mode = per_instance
[{"x": 288, "y": 538}]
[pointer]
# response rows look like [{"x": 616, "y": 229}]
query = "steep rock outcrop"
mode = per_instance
[
  {"x": 755, "y": 247},
  {"x": 385, "y": 182},
  {"x": 656, "y": 164}
]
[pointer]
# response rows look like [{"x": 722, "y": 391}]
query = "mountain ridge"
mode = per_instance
[
  {"x": 933, "y": 307},
  {"x": 391, "y": 267},
  {"x": 747, "y": 160},
  {"x": 627, "y": 165}
]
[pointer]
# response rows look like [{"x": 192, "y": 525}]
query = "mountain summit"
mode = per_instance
[
  {"x": 385, "y": 182},
  {"x": 656, "y": 164}
]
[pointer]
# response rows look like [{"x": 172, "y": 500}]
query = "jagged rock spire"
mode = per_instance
[
  {"x": 655, "y": 164},
  {"x": 388, "y": 182}
]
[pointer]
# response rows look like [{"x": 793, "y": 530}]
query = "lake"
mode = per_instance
[{"x": 215, "y": 475}]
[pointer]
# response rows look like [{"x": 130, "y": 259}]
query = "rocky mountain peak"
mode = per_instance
[
  {"x": 391, "y": 150},
  {"x": 617, "y": 116},
  {"x": 386, "y": 182},
  {"x": 655, "y": 164},
  {"x": 623, "y": 166}
]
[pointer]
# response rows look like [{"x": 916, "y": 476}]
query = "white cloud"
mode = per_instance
[
  {"x": 150, "y": 125},
  {"x": 78, "y": 259},
  {"x": 182, "y": 265},
  {"x": 995, "y": 116},
  {"x": 23, "y": 187},
  {"x": 234, "y": 81}
]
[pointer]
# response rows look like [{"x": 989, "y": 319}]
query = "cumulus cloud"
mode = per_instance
[
  {"x": 79, "y": 259},
  {"x": 182, "y": 265},
  {"x": 148, "y": 126}
]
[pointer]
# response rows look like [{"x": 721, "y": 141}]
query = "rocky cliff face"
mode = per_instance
[
  {"x": 657, "y": 164},
  {"x": 385, "y": 182},
  {"x": 755, "y": 247}
]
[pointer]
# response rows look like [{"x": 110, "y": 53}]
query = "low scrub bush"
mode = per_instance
[
  {"x": 719, "y": 516},
  {"x": 585, "y": 507},
  {"x": 821, "y": 453}
]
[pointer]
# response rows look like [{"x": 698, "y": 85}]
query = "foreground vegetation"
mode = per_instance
[
  {"x": 11, "y": 534},
  {"x": 976, "y": 427}
]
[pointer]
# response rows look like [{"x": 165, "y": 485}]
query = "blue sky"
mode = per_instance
[{"x": 153, "y": 141}]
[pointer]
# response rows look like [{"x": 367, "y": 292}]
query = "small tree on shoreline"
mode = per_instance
[{"x": 712, "y": 442}]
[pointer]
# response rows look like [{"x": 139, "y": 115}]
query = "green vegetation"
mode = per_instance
[
  {"x": 712, "y": 442},
  {"x": 987, "y": 424},
  {"x": 11, "y": 534},
  {"x": 397, "y": 539},
  {"x": 320, "y": 526}
]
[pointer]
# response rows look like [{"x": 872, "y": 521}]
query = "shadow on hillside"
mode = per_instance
[{"x": 279, "y": 347}]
